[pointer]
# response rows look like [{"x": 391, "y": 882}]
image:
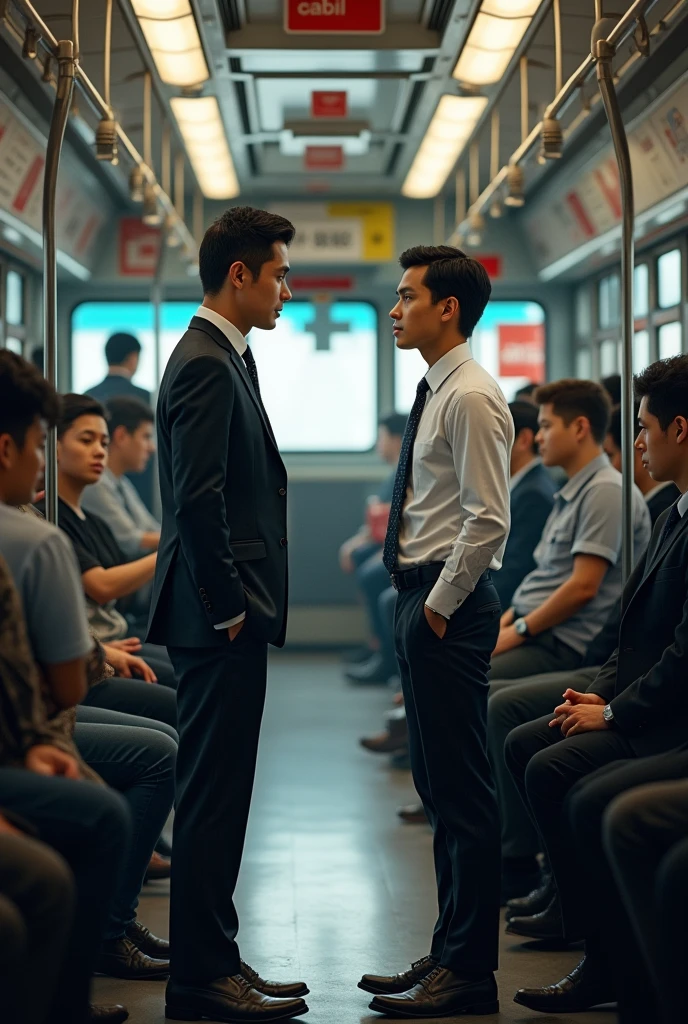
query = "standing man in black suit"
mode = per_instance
[{"x": 219, "y": 598}]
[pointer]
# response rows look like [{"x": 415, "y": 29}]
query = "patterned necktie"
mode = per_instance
[
  {"x": 250, "y": 361},
  {"x": 389, "y": 555},
  {"x": 670, "y": 523}
]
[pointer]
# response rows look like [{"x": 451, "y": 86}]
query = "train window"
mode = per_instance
[
  {"x": 509, "y": 342},
  {"x": 584, "y": 363},
  {"x": 670, "y": 343},
  {"x": 15, "y": 345},
  {"x": 641, "y": 290},
  {"x": 641, "y": 351},
  {"x": 325, "y": 352},
  {"x": 669, "y": 278},
  {"x": 14, "y": 297},
  {"x": 583, "y": 313},
  {"x": 609, "y": 301},
  {"x": 609, "y": 357}
]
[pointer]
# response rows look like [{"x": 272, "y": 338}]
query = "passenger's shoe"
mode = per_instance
[
  {"x": 520, "y": 875},
  {"x": 442, "y": 994},
  {"x": 158, "y": 867},
  {"x": 368, "y": 672},
  {"x": 580, "y": 990},
  {"x": 121, "y": 958},
  {"x": 393, "y": 739},
  {"x": 380, "y": 984},
  {"x": 547, "y": 925},
  {"x": 148, "y": 943},
  {"x": 227, "y": 999},
  {"x": 414, "y": 814},
  {"x": 355, "y": 655},
  {"x": 276, "y": 989},
  {"x": 534, "y": 903},
  {"x": 107, "y": 1014},
  {"x": 401, "y": 761}
]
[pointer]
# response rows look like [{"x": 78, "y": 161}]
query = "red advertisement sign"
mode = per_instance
[
  {"x": 338, "y": 17},
  {"x": 492, "y": 264},
  {"x": 522, "y": 351},
  {"x": 324, "y": 158},
  {"x": 305, "y": 283},
  {"x": 138, "y": 248},
  {"x": 28, "y": 185},
  {"x": 329, "y": 104}
]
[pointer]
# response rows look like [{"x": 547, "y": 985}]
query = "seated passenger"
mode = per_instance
[
  {"x": 563, "y": 603},
  {"x": 658, "y": 496},
  {"x": 636, "y": 707},
  {"x": 525, "y": 394},
  {"x": 532, "y": 497}
]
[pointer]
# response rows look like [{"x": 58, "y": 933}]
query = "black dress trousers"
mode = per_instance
[
  {"x": 220, "y": 701},
  {"x": 445, "y": 689}
]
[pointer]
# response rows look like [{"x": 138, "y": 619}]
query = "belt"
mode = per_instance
[{"x": 421, "y": 575}]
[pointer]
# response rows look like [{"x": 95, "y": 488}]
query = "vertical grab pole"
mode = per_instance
[
  {"x": 603, "y": 53},
  {"x": 66, "y": 61}
]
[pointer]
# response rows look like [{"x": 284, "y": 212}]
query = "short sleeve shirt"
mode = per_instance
[{"x": 586, "y": 520}]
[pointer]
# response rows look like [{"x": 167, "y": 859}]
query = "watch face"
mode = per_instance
[{"x": 521, "y": 627}]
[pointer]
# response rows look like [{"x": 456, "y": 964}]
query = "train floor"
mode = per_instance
[{"x": 332, "y": 884}]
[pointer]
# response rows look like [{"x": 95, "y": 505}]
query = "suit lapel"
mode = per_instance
[
  {"x": 199, "y": 323},
  {"x": 659, "y": 555}
]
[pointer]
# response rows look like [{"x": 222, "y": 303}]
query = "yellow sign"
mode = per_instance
[
  {"x": 341, "y": 232},
  {"x": 378, "y": 227}
]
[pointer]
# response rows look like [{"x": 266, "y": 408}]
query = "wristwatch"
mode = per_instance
[
  {"x": 608, "y": 714},
  {"x": 521, "y": 627}
]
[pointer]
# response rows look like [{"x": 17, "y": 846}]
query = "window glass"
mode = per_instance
[
  {"x": 641, "y": 290},
  {"x": 509, "y": 342},
  {"x": 669, "y": 278},
  {"x": 669, "y": 340},
  {"x": 15, "y": 345},
  {"x": 318, "y": 376},
  {"x": 584, "y": 363},
  {"x": 609, "y": 301},
  {"x": 609, "y": 358},
  {"x": 583, "y": 312},
  {"x": 641, "y": 351},
  {"x": 14, "y": 291}
]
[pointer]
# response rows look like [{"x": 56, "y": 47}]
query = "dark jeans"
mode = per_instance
[
  {"x": 386, "y": 605},
  {"x": 103, "y": 716},
  {"x": 445, "y": 691},
  {"x": 36, "y": 912},
  {"x": 138, "y": 763},
  {"x": 134, "y": 697},
  {"x": 159, "y": 660},
  {"x": 373, "y": 579},
  {"x": 543, "y": 653},
  {"x": 89, "y": 825}
]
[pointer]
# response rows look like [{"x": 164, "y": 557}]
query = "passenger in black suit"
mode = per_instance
[
  {"x": 635, "y": 708},
  {"x": 219, "y": 598},
  {"x": 658, "y": 496},
  {"x": 532, "y": 497}
]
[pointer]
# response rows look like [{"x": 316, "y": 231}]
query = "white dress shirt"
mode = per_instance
[
  {"x": 683, "y": 504},
  {"x": 238, "y": 342},
  {"x": 457, "y": 502}
]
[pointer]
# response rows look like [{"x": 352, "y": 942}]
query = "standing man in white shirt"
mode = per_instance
[{"x": 448, "y": 527}]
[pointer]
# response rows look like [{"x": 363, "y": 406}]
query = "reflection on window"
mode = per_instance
[
  {"x": 609, "y": 301},
  {"x": 669, "y": 278},
  {"x": 15, "y": 345},
  {"x": 669, "y": 340},
  {"x": 641, "y": 290},
  {"x": 318, "y": 376},
  {"x": 583, "y": 313},
  {"x": 14, "y": 291},
  {"x": 641, "y": 351},
  {"x": 509, "y": 342},
  {"x": 584, "y": 363},
  {"x": 609, "y": 358}
]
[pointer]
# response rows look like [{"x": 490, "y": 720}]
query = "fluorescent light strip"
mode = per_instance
[
  {"x": 169, "y": 28},
  {"x": 449, "y": 131},
  {"x": 204, "y": 136},
  {"x": 496, "y": 34}
]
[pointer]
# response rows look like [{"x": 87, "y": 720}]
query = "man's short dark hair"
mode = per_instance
[
  {"x": 120, "y": 346},
  {"x": 451, "y": 273},
  {"x": 615, "y": 427},
  {"x": 526, "y": 391},
  {"x": 665, "y": 386},
  {"x": 127, "y": 412},
  {"x": 244, "y": 235},
  {"x": 571, "y": 397},
  {"x": 73, "y": 406},
  {"x": 394, "y": 423},
  {"x": 525, "y": 417},
  {"x": 612, "y": 385},
  {"x": 24, "y": 395}
]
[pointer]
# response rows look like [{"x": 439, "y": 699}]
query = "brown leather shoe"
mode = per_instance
[
  {"x": 148, "y": 943},
  {"x": 158, "y": 867},
  {"x": 443, "y": 993},
  {"x": 107, "y": 1014},
  {"x": 380, "y": 984},
  {"x": 227, "y": 999},
  {"x": 120, "y": 958},
  {"x": 276, "y": 989}
]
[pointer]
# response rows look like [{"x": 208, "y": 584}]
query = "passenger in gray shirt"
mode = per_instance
[
  {"x": 114, "y": 498},
  {"x": 563, "y": 603}
]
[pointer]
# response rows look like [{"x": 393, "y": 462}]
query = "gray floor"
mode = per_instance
[{"x": 332, "y": 885}]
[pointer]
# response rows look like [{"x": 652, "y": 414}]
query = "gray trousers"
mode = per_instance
[{"x": 513, "y": 702}]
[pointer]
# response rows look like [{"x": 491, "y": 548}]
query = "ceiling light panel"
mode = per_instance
[
  {"x": 496, "y": 34},
  {"x": 449, "y": 131},
  {"x": 200, "y": 125},
  {"x": 170, "y": 31}
]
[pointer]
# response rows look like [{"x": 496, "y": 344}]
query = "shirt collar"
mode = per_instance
[
  {"x": 683, "y": 504},
  {"x": 231, "y": 333},
  {"x": 580, "y": 479},
  {"x": 119, "y": 371},
  {"x": 517, "y": 477},
  {"x": 450, "y": 361}
]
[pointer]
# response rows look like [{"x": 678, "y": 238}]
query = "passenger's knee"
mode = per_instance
[
  {"x": 161, "y": 749},
  {"x": 621, "y": 825}
]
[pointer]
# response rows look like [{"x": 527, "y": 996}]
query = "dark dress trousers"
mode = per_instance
[
  {"x": 223, "y": 552},
  {"x": 531, "y": 503}
]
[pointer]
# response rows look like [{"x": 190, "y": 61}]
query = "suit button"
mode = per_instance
[
  {"x": 282, "y": 491},
  {"x": 283, "y": 542}
]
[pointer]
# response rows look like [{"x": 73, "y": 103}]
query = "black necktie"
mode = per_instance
[
  {"x": 389, "y": 555},
  {"x": 670, "y": 523},
  {"x": 250, "y": 361}
]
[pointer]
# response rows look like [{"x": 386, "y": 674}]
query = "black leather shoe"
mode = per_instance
[
  {"x": 545, "y": 925},
  {"x": 414, "y": 814},
  {"x": 580, "y": 990},
  {"x": 107, "y": 1014},
  {"x": 148, "y": 943},
  {"x": 227, "y": 999},
  {"x": 276, "y": 989},
  {"x": 442, "y": 994},
  {"x": 385, "y": 985},
  {"x": 122, "y": 959},
  {"x": 534, "y": 903},
  {"x": 368, "y": 672}
]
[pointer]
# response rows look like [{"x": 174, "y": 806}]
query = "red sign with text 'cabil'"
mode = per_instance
[
  {"x": 324, "y": 158},
  {"x": 522, "y": 351},
  {"x": 341, "y": 17},
  {"x": 329, "y": 104}
]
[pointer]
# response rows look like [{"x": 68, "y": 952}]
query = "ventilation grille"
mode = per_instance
[
  {"x": 414, "y": 100},
  {"x": 229, "y": 12},
  {"x": 394, "y": 158},
  {"x": 439, "y": 16},
  {"x": 240, "y": 88}
]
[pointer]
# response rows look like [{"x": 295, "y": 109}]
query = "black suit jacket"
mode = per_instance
[
  {"x": 223, "y": 486},
  {"x": 115, "y": 386},
  {"x": 646, "y": 678},
  {"x": 531, "y": 503}
]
